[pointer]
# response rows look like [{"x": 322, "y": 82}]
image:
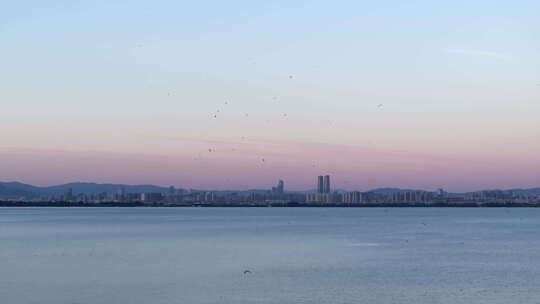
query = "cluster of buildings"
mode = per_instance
[
  {"x": 172, "y": 196},
  {"x": 176, "y": 196},
  {"x": 325, "y": 195},
  {"x": 500, "y": 196},
  {"x": 278, "y": 196}
]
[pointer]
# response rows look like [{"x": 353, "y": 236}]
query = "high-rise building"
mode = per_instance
[
  {"x": 320, "y": 184},
  {"x": 151, "y": 197},
  {"x": 326, "y": 184},
  {"x": 352, "y": 197},
  {"x": 209, "y": 197},
  {"x": 323, "y": 191},
  {"x": 441, "y": 193},
  {"x": 412, "y": 196},
  {"x": 133, "y": 197},
  {"x": 280, "y": 187},
  {"x": 68, "y": 194},
  {"x": 122, "y": 194}
]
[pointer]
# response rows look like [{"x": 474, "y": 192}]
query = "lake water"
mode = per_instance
[{"x": 294, "y": 255}]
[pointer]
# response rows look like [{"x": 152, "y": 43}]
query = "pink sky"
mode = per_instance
[
  {"x": 456, "y": 151},
  {"x": 247, "y": 163}
]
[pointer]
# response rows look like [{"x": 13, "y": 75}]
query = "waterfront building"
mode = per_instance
[
  {"x": 279, "y": 189},
  {"x": 326, "y": 184},
  {"x": 412, "y": 197},
  {"x": 209, "y": 197},
  {"x": 151, "y": 197},
  {"x": 320, "y": 184},
  {"x": 353, "y": 197},
  {"x": 68, "y": 194},
  {"x": 323, "y": 194}
]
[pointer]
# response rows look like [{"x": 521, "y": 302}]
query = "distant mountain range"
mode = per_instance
[{"x": 17, "y": 189}]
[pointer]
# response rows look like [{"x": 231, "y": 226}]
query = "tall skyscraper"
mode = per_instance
[
  {"x": 326, "y": 184},
  {"x": 323, "y": 191},
  {"x": 280, "y": 187}
]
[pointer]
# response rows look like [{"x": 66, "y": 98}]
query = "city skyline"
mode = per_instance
[
  {"x": 278, "y": 189},
  {"x": 239, "y": 94},
  {"x": 109, "y": 195}
]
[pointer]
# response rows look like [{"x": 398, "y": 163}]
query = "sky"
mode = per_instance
[{"x": 239, "y": 94}]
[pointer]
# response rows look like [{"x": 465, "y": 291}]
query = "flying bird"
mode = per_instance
[
  {"x": 247, "y": 271},
  {"x": 379, "y": 105}
]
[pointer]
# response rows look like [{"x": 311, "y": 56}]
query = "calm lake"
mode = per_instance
[{"x": 269, "y": 255}]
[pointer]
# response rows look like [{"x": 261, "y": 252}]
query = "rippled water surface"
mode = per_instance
[{"x": 294, "y": 255}]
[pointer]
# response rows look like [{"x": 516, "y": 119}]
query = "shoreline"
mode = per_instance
[{"x": 269, "y": 205}]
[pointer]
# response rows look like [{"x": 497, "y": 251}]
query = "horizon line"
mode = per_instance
[{"x": 269, "y": 189}]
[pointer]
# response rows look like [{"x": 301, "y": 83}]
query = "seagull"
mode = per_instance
[
  {"x": 247, "y": 271},
  {"x": 379, "y": 105}
]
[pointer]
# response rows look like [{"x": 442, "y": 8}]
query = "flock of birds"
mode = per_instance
[{"x": 274, "y": 98}]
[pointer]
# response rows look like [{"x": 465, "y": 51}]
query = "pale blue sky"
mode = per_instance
[
  {"x": 466, "y": 70},
  {"x": 247, "y": 48}
]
